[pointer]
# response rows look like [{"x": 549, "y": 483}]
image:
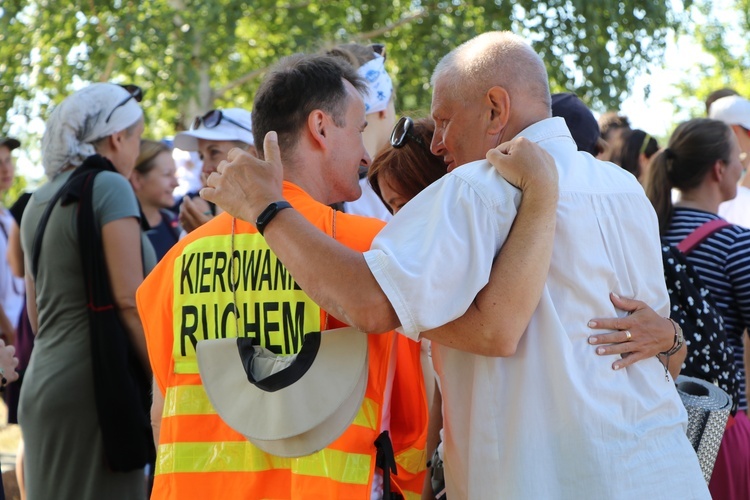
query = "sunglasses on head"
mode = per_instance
[
  {"x": 134, "y": 92},
  {"x": 212, "y": 119},
  {"x": 402, "y": 131},
  {"x": 379, "y": 49}
]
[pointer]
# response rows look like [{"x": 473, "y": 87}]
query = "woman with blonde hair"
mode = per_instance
[{"x": 154, "y": 179}]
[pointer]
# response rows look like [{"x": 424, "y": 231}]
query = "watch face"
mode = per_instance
[{"x": 265, "y": 214}]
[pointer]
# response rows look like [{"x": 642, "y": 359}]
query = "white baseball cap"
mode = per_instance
[
  {"x": 232, "y": 124},
  {"x": 288, "y": 406},
  {"x": 732, "y": 110}
]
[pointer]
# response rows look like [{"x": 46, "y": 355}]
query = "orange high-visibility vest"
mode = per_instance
[{"x": 209, "y": 286}]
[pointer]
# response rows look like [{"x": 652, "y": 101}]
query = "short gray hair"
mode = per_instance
[{"x": 495, "y": 58}]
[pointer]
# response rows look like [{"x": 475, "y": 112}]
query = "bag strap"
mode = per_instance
[{"x": 700, "y": 234}]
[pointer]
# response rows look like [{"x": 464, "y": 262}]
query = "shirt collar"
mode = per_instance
[{"x": 549, "y": 128}]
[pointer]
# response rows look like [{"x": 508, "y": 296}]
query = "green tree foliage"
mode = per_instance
[
  {"x": 192, "y": 55},
  {"x": 722, "y": 28}
]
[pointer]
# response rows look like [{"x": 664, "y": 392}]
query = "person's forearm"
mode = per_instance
[
  {"x": 15, "y": 252},
  {"x": 496, "y": 320},
  {"x": 334, "y": 276},
  {"x": 433, "y": 438},
  {"x": 6, "y": 328},
  {"x": 31, "y": 309}
]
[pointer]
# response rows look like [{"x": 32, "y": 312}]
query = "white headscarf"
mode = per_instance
[
  {"x": 80, "y": 120},
  {"x": 379, "y": 84}
]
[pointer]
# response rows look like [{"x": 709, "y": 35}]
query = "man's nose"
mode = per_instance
[
  {"x": 366, "y": 160},
  {"x": 436, "y": 145}
]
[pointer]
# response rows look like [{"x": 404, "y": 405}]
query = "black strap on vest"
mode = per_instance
[
  {"x": 386, "y": 461},
  {"x": 289, "y": 375}
]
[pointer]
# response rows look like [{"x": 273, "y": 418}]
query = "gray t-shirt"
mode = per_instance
[{"x": 64, "y": 452}]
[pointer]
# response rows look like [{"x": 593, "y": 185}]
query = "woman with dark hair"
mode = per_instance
[
  {"x": 84, "y": 401},
  {"x": 632, "y": 150},
  {"x": 399, "y": 174},
  {"x": 702, "y": 162}
]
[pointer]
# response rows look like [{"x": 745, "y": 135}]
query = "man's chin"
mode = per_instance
[
  {"x": 357, "y": 194},
  {"x": 354, "y": 195}
]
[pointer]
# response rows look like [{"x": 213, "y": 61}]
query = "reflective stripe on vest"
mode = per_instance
[
  {"x": 242, "y": 456},
  {"x": 412, "y": 460},
  {"x": 187, "y": 400},
  {"x": 193, "y": 400}
]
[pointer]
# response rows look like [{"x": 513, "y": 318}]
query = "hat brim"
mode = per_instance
[
  {"x": 188, "y": 140},
  {"x": 298, "y": 419},
  {"x": 322, "y": 435}
]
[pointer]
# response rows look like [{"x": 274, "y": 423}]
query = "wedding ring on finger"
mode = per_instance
[{"x": 628, "y": 336}]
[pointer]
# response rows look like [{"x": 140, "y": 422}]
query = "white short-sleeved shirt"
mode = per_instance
[
  {"x": 554, "y": 420},
  {"x": 369, "y": 204}
]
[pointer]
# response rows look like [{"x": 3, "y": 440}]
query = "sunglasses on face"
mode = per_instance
[
  {"x": 403, "y": 131},
  {"x": 134, "y": 92},
  {"x": 212, "y": 119}
]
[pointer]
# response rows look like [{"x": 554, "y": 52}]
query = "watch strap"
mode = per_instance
[{"x": 268, "y": 214}]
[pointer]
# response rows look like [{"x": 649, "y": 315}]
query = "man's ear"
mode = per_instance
[
  {"x": 318, "y": 124},
  {"x": 497, "y": 100}
]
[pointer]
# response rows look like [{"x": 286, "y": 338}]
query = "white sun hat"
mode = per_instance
[
  {"x": 288, "y": 406},
  {"x": 232, "y": 124}
]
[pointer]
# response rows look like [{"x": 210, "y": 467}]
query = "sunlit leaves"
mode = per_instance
[{"x": 190, "y": 55}]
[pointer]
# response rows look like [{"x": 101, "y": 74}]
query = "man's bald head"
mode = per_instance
[{"x": 496, "y": 58}]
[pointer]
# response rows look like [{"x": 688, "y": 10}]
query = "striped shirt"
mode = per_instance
[{"x": 723, "y": 263}]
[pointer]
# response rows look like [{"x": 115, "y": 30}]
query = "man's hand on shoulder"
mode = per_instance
[{"x": 526, "y": 165}]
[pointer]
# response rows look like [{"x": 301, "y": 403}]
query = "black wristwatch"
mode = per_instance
[{"x": 269, "y": 213}]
